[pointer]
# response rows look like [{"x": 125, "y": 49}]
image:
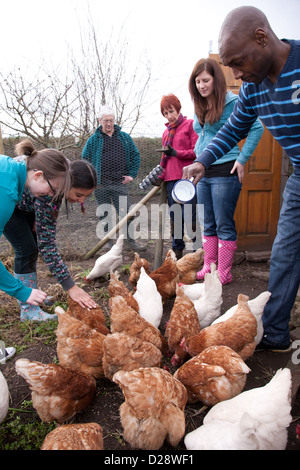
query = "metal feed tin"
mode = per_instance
[{"x": 183, "y": 191}]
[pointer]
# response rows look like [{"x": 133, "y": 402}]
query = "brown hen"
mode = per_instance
[
  {"x": 183, "y": 323},
  {"x": 125, "y": 319},
  {"x": 238, "y": 333},
  {"x": 85, "y": 436},
  {"x": 124, "y": 352},
  {"x": 79, "y": 347},
  {"x": 216, "y": 374},
  {"x": 189, "y": 265},
  {"x": 58, "y": 392},
  {"x": 153, "y": 409},
  {"x": 135, "y": 269},
  {"x": 93, "y": 317},
  {"x": 166, "y": 276},
  {"x": 117, "y": 287}
]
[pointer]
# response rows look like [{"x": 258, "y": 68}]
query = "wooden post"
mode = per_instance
[
  {"x": 161, "y": 221},
  {"x": 122, "y": 222}
]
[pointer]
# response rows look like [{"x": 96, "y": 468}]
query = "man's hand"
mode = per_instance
[{"x": 195, "y": 170}]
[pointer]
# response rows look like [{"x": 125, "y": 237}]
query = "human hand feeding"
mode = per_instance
[
  {"x": 36, "y": 297},
  {"x": 81, "y": 297},
  {"x": 196, "y": 170}
]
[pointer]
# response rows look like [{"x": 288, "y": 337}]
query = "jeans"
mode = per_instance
[
  {"x": 186, "y": 217},
  {"x": 219, "y": 195},
  {"x": 285, "y": 266},
  {"x": 19, "y": 232}
]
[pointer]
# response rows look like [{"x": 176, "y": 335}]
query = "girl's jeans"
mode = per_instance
[
  {"x": 219, "y": 195},
  {"x": 285, "y": 266},
  {"x": 19, "y": 232}
]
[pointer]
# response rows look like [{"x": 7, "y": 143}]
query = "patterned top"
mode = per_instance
[{"x": 46, "y": 212}]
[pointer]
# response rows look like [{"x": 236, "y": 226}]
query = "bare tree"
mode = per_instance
[
  {"x": 106, "y": 75},
  {"x": 40, "y": 107},
  {"x": 60, "y": 107}
]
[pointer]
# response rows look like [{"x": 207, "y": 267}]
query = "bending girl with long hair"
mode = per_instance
[
  {"x": 42, "y": 172},
  {"x": 36, "y": 220}
]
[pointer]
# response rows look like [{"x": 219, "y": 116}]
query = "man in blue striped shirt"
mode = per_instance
[{"x": 270, "y": 70}]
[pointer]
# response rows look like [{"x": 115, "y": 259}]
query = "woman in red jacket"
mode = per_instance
[{"x": 180, "y": 139}]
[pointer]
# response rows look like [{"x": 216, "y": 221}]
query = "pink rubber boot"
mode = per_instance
[
  {"x": 225, "y": 260},
  {"x": 210, "y": 247}
]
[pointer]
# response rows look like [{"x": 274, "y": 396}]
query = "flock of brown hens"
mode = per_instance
[{"x": 130, "y": 351}]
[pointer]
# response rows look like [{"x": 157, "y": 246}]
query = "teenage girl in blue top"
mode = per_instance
[
  {"x": 38, "y": 218},
  {"x": 42, "y": 172}
]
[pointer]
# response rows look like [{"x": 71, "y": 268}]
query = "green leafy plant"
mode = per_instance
[
  {"x": 59, "y": 303},
  {"x": 38, "y": 330},
  {"x": 23, "y": 430},
  {"x": 125, "y": 268},
  {"x": 103, "y": 293}
]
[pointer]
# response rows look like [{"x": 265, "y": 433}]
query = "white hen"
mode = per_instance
[
  {"x": 193, "y": 291},
  {"x": 256, "y": 419},
  {"x": 256, "y": 306},
  {"x": 208, "y": 305},
  {"x": 149, "y": 299},
  {"x": 197, "y": 290},
  {"x": 4, "y": 397},
  {"x": 110, "y": 261}
]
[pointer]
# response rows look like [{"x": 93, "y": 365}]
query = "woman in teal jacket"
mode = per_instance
[
  {"x": 42, "y": 172},
  {"x": 219, "y": 190}
]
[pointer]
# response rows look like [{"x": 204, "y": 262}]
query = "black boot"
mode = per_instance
[{"x": 178, "y": 253}]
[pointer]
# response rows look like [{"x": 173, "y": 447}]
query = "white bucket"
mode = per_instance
[{"x": 183, "y": 191}]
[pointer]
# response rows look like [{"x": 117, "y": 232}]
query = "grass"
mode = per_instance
[
  {"x": 22, "y": 429},
  {"x": 22, "y": 334}
]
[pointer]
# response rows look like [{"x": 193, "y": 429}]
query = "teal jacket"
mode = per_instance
[
  {"x": 208, "y": 132},
  {"x": 92, "y": 151},
  {"x": 13, "y": 177}
]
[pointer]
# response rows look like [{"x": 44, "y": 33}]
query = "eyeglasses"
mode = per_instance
[
  {"x": 108, "y": 121},
  {"x": 51, "y": 187}
]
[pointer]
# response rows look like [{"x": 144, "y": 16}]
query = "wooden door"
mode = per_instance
[{"x": 257, "y": 211}]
